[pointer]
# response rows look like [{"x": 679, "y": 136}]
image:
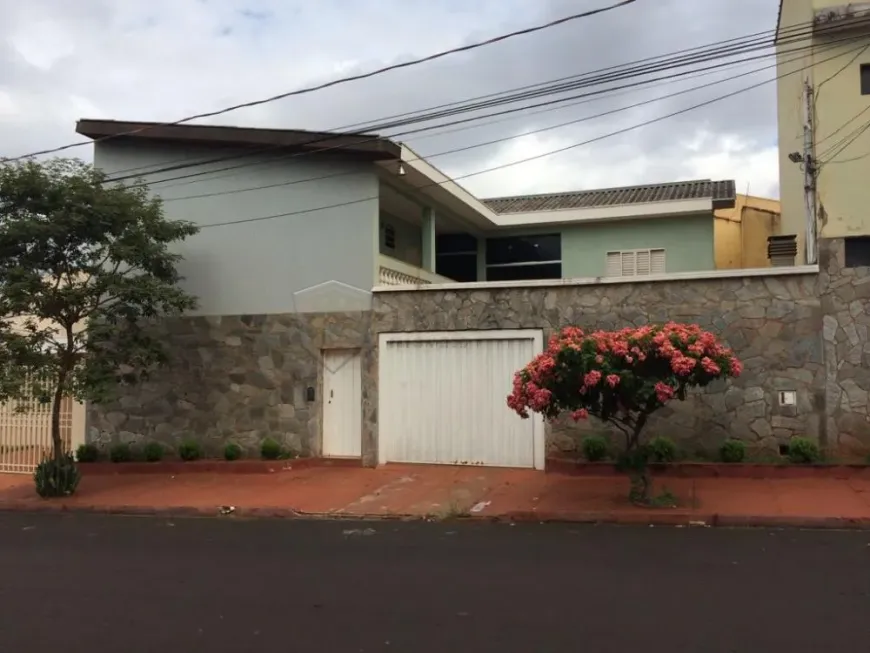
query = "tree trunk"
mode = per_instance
[
  {"x": 56, "y": 441},
  {"x": 641, "y": 481}
]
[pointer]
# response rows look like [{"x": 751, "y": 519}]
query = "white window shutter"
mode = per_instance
[
  {"x": 614, "y": 264},
  {"x": 657, "y": 261},
  {"x": 628, "y": 267},
  {"x": 642, "y": 258}
]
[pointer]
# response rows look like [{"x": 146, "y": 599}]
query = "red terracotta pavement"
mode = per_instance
[{"x": 443, "y": 491}]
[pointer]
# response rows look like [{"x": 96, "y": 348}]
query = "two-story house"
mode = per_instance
[
  {"x": 285, "y": 211},
  {"x": 303, "y": 236},
  {"x": 824, "y": 124}
]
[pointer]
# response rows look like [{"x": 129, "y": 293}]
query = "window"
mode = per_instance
[
  {"x": 456, "y": 256},
  {"x": 459, "y": 268},
  {"x": 456, "y": 244},
  {"x": 389, "y": 236},
  {"x": 524, "y": 257},
  {"x": 857, "y": 251},
  {"x": 865, "y": 79},
  {"x": 635, "y": 263}
]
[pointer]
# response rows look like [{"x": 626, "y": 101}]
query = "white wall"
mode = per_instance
[{"x": 256, "y": 267}]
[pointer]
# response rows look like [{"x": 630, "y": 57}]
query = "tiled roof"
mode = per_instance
[{"x": 721, "y": 192}]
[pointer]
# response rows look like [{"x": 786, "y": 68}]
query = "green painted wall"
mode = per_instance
[
  {"x": 409, "y": 240},
  {"x": 687, "y": 240}
]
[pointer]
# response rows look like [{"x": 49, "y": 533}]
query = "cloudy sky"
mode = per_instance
[{"x": 165, "y": 59}]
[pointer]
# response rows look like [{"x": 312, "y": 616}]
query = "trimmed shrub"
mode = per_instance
[
  {"x": 270, "y": 450},
  {"x": 153, "y": 452},
  {"x": 732, "y": 451},
  {"x": 121, "y": 453},
  {"x": 595, "y": 448},
  {"x": 56, "y": 478},
  {"x": 232, "y": 451},
  {"x": 87, "y": 453},
  {"x": 190, "y": 450},
  {"x": 662, "y": 450},
  {"x": 803, "y": 451}
]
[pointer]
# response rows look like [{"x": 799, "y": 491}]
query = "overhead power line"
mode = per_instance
[
  {"x": 528, "y": 159},
  {"x": 513, "y": 115},
  {"x": 352, "y": 78},
  {"x": 356, "y": 128},
  {"x": 830, "y": 154},
  {"x": 485, "y": 143},
  {"x": 860, "y": 157},
  {"x": 710, "y": 55},
  {"x": 767, "y": 40},
  {"x": 474, "y": 118},
  {"x": 843, "y": 126}
]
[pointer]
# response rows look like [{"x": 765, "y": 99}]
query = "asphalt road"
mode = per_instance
[{"x": 89, "y": 583}]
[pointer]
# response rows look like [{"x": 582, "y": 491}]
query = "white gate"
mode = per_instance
[
  {"x": 443, "y": 398},
  {"x": 25, "y": 432}
]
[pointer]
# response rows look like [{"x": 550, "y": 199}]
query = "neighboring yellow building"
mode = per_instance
[
  {"x": 824, "y": 46},
  {"x": 740, "y": 234}
]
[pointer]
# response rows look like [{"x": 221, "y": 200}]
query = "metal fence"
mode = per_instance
[{"x": 25, "y": 432}]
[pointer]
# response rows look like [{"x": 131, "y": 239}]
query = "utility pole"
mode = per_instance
[{"x": 809, "y": 164}]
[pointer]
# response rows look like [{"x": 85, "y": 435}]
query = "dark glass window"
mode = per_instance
[
  {"x": 455, "y": 244},
  {"x": 522, "y": 272},
  {"x": 459, "y": 267},
  {"x": 865, "y": 79},
  {"x": 523, "y": 249},
  {"x": 857, "y": 251}
]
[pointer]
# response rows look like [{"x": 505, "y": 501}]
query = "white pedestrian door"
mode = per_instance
[{"x": 342, "y": 404}]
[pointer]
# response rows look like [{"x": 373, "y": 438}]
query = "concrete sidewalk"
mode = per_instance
[{"x": 441, "y": 492}]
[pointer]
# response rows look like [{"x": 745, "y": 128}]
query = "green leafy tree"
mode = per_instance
[{"x": 85, "y": 264}]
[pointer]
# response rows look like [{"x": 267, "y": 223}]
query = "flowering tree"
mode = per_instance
[{"x": 621, "y": 377}]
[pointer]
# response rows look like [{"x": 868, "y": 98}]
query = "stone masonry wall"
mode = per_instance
[
  {"x": 233, "y": 378},
  {"x": 244, "y": 378},
  {"x": 772, "y": 322},
  {"x": 845, "y": 302}
]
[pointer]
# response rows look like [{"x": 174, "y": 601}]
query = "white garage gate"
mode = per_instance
[{"x": 442, "y": 399}]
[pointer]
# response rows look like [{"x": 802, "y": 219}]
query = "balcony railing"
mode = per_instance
[{"x": 394, "y": 272}]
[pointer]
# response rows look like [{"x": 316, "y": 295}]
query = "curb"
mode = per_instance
[{"x": 652, "y": 518}]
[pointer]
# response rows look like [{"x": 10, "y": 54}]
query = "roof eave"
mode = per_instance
[{"x": 368, "y": 146}]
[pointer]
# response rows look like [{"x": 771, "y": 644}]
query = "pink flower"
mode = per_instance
[
  {"x": 710, "y": 366},
  {"x": 592, "y": 378},
  {"x": 588, "y": 361},
  {"x": 579, "y": 414},
  {"x": 683, "y": 365},
  {"x": 696, "y": 348},
  {"x": 620, "y": 347},
  {"x": 667, "y": 350},
  {"x": 664, "y": 392}
]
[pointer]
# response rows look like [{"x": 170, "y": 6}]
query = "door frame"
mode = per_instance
[
  {"x": 324, "y": 374},
  {"x": 536, "y": 336}
]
